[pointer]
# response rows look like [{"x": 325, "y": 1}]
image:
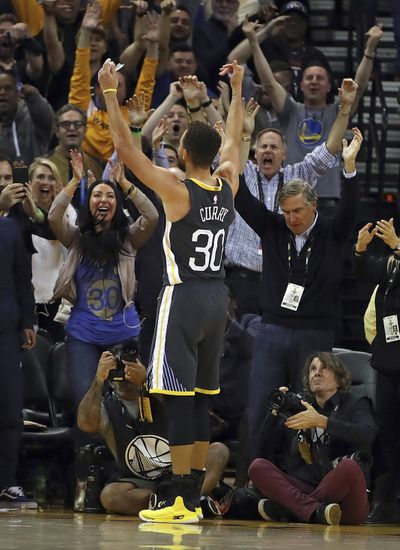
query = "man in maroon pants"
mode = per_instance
[{"x": 314, "y": 482}]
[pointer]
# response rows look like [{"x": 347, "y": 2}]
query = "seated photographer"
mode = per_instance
[
  {"x": 324, "y": 442},
  {"x": 135, "y": 427}
]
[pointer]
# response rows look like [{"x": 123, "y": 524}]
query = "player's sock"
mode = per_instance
[
  {"x": 198, "y": 476},
  {"x": 180, "y": 509}
]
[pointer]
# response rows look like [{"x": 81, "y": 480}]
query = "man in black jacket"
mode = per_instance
[
  {"x": 320, "y": 477},
  {"x": 382, "y": 267},
  {"x": 301, "y": 272},
  {"x": 17, "y": 310}
]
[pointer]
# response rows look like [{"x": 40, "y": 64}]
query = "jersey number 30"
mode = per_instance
[{"x": 210, "y": 255}]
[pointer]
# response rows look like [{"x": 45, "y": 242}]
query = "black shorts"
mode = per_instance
[{"x": 188, "y": 339}]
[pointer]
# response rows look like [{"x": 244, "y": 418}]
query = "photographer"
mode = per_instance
[
  {"x": 139, "y": 446},
  {"x": 325, "y": 448}
]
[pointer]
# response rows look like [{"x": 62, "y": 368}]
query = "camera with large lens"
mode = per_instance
[
  {"x": 128, "y": 351},
  {"x": 285, "y": 403}
]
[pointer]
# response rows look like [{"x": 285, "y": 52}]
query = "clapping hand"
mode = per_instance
[
  {"x": 385, "y": 231},
  {"x": 348, "y": 91},
  {"x": 92, "y": 17},
  {"x": 159, "y": 131},
  {"x": 350, "y": 150},
  {"x": 365, "y": 236},
  {"x": 117, "y": 172},
  {"x": 249, "y": 114},
  {"x": 137, "y": 112},
  {"x": 151, "y": 27},
  {"x": 76, "y": 161}
]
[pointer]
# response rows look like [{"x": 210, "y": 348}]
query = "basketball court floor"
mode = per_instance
[{"x": 65, "y": 530}]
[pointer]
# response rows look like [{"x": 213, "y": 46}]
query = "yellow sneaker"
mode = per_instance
[
  {"x": 176, "y": 513},
  {"x": 199, "y": 512}
]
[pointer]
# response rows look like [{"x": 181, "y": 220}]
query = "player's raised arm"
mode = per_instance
[
  {"x": 160, "y": 180},
  {"x": 230, "y": 153}
]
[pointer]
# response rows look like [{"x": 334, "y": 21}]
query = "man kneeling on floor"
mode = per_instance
[
  {"x": 134, "y": 427},
  {"x": 324, "y": 443}
]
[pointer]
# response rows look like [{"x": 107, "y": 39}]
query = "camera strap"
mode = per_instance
[
  {"x": 145, "y": 414},
  {"x": 303, "y": 442}
]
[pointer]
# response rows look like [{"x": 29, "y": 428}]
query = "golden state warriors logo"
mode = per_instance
[
  {"x": 310, "y": 132},
  {"x": 147, "y": 456}
]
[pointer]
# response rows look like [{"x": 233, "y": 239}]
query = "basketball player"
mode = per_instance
[{"x": 193, "y": 302}]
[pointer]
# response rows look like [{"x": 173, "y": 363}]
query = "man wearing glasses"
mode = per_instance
[{"x": 70, "y": 131}]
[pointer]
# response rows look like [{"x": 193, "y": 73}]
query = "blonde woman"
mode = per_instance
[{"x": 46, "y": 262}]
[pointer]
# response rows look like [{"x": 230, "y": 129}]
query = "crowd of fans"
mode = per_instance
[{"x": 89, "y": 234}]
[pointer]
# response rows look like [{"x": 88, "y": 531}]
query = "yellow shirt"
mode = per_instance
[
  {"x": 98, "y": 142},
  {"x": 31, "y": 12}
]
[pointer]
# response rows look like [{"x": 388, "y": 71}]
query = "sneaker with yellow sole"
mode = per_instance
[{"x": 174, "y": 513}]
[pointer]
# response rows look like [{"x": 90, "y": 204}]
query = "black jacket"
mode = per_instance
[
  {"x": 385, "y": 355},
  {"x": 17, "y": 303},
  {"x": 351, "y": 428},
  {"x": 319, "y": 305}
]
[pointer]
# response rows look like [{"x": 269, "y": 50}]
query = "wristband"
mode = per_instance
[
  {"x": 206, "y": 103},
  {"x": 371, "y": 57},
  {"x": 135, "y": 129},
  {"x": 109, "y": 90},
  {"x": 40, "y": 215},
  {"x": 131, "y": 191},
  {"x": 194, "y": 109}
]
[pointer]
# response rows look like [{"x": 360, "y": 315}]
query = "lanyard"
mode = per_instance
[
  {"x": 307, "y": 258},
  {"x": 261, "y": 191},
  {"x": 392, "y": 277}
]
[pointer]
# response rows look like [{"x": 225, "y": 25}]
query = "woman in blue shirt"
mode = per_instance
[{"x": 98, "y": 276}]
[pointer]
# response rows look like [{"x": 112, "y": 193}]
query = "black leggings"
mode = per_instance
[{"x": 188, "y": 419}]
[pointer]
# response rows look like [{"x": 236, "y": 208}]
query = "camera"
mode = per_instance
[
  {"x": 128, "y": 351},
  {"x": 285, "y": 403}
]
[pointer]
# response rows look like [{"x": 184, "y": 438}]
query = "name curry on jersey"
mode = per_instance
[{"x": 194, "y": 246}]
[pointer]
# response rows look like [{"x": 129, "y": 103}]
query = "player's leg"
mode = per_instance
[{"x": 172, "y": 373}]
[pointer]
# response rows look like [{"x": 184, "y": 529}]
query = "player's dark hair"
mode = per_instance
[
  {"x": 202, "y": 143},
  {"x": 102, "y": 247}
]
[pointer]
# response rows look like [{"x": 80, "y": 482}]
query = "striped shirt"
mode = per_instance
[{"x": 243, "y": 246}]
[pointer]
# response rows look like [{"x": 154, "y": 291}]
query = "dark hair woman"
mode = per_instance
[{"x": 98, "y": 276}]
